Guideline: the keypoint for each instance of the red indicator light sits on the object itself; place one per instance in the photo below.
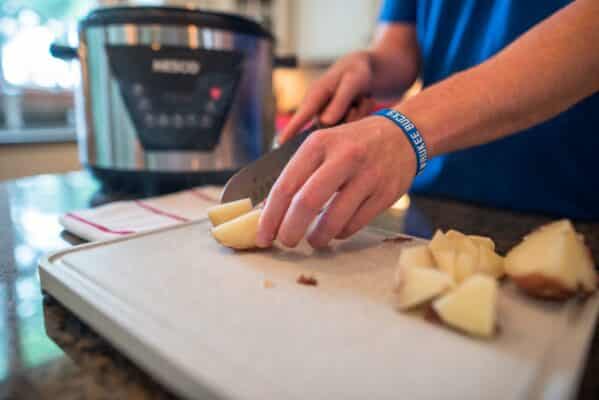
(215, 93)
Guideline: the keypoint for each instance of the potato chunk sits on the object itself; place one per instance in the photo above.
(225, 212)
(239, 233)
(552, 262)
(470, 307)
(419, 285)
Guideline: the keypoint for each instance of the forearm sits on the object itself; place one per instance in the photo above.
(394, 59)
(544, 72)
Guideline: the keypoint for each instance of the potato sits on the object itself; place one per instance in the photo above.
(552, 262)
(462, 242)
(462, 255)
(444, 252)
(225, 212)
(416, 256)
(419, 285)
(239, 233)
(465, 266)
(483, 241)
(489, 262)
(470, 307)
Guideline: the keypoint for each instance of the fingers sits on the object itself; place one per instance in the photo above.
(311, 106)
(369, 209)
(342, 209)
(303, 164)
(306, 184)
(363, 109)
(347, 90)
(311, 199)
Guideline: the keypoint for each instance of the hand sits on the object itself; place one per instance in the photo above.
(343, 90)
(364, 165)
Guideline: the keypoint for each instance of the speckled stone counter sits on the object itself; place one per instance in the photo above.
(47, 352)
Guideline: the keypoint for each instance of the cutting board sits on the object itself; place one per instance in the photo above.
(196, 316)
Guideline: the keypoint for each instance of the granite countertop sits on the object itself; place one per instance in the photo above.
(47, 352)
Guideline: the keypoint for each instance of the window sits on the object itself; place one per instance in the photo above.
(36, 90)
(36, 100)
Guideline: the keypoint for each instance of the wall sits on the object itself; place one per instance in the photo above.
(33, 159)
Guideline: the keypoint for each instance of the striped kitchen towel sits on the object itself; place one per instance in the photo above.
(135, 216)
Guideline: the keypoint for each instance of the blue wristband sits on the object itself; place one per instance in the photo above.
(411, 132)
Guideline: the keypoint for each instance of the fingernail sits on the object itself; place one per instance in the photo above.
(262, 240)
(318, 240)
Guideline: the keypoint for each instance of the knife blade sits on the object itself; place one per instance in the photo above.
(256, 179)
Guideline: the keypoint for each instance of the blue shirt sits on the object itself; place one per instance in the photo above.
(550, 168)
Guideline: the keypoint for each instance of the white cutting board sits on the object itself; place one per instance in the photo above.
(196, 317)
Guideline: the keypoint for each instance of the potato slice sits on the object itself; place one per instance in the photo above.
(471, 307)
(467, 257)
(489, 262)
(239, 233)
(552, 262)
(225, 212)
(419, 285)
(416, 256)
(444, 252)
(465, 266)
(463, 243)
(483, 241)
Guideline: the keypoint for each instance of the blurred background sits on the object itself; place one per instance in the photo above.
(37, 129)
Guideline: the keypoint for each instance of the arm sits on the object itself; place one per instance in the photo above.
(389, 66)
(394, 58)
(545, 71)
(368, 164)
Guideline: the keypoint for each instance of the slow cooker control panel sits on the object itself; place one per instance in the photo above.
(178, 98)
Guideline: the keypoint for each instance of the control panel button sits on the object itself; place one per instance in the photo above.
(206, 121)
(216, 93)
(149, 120)
(163, 120)
(178, 121)
(138, 89)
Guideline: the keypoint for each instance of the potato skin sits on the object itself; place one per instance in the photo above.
(543, 287)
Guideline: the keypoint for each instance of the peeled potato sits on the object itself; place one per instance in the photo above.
(470, 307)
(239, 233)
(489, 262)
(225, 212)
(462, 255)
(462, 242)
(552, 262)
(483, 241)
(420, 285)
(465, 266)
(416, 256)
(444, 252)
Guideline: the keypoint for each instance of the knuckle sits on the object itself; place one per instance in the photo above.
(317, 139)
(353, 152)
(284, 189)
(306, 202)
(375, 173)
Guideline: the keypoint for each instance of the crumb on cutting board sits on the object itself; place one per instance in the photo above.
(267, 284)
(307, 280)
(398, 239)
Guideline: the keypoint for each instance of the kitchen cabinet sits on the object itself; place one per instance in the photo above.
(321, 31)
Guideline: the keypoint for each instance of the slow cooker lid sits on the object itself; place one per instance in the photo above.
(173, 16)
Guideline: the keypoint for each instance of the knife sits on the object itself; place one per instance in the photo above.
(256, 179)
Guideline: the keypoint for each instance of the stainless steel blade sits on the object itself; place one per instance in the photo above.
(256, 179)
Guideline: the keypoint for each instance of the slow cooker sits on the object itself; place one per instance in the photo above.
(171, 97)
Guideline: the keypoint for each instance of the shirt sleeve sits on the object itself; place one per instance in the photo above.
(398, 11)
